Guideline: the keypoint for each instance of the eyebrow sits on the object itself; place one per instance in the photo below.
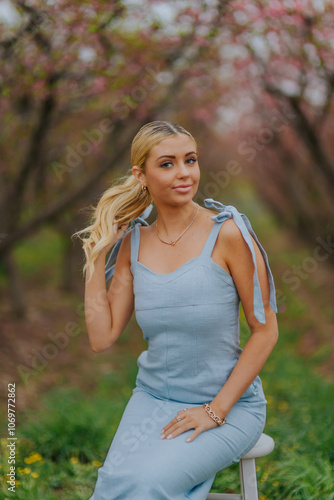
(171, 156)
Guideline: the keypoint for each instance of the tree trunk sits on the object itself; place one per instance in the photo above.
(16, 292)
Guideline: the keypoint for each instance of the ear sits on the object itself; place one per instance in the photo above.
(138, 174)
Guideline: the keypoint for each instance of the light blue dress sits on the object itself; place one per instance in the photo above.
(190, 318)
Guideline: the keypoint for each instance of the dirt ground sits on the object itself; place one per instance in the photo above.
(50, 347)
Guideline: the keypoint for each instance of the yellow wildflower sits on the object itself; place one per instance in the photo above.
(26, 470)
(283, 406)
(270, 400)
(34, 457)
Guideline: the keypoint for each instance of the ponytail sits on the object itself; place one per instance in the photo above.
(123, 202)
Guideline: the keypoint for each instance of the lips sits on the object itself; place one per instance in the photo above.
(183, 188)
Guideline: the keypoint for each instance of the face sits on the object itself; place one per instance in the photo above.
(171, 170)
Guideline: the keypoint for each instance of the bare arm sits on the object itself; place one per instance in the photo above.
(263, 336)
(108, 312)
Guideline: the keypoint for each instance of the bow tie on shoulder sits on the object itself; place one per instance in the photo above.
(139, 221)
(230, 212)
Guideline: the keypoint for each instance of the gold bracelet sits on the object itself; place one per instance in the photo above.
(212, 414)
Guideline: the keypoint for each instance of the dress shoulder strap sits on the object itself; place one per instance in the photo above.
(134, 243)
(210, 242)
(139, 221)
(228, 212)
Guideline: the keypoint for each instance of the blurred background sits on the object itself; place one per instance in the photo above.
(253, 82)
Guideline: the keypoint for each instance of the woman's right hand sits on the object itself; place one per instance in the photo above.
(118, 233)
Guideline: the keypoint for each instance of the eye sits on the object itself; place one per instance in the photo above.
(165, 164)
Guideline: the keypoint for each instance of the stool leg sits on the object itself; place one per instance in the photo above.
(248, 479)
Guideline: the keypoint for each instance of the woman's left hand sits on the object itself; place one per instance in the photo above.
(192, 418)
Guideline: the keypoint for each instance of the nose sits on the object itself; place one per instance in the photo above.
(182, 170)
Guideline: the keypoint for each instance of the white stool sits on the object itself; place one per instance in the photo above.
(264, 446)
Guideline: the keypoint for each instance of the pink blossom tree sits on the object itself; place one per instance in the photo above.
(78, 79)
(284, 69)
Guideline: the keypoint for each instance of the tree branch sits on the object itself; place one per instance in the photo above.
(57, 208)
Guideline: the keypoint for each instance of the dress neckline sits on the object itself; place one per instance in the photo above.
(202, 254)
(171, 272)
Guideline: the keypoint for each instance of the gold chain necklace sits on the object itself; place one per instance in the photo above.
(173, 242)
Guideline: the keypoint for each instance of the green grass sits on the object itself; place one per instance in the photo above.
(73, 431)
(60, 446)
(37, 256)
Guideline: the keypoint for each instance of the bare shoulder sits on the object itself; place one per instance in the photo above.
(232, 244)
(145, 229)
(230, 232)
(230, 241)
(124, 252)
(127, 239)
(229, 229)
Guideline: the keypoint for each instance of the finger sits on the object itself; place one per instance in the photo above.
(170, 429)
(194, 435)
(176, 430)
(125, 226)
(170, 425)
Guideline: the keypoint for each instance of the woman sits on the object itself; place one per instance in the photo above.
(198, 403)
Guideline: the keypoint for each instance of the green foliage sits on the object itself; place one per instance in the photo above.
(40, 254)
(61, 445)
(69, 424)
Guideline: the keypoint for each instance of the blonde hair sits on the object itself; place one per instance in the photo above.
(125, 200)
